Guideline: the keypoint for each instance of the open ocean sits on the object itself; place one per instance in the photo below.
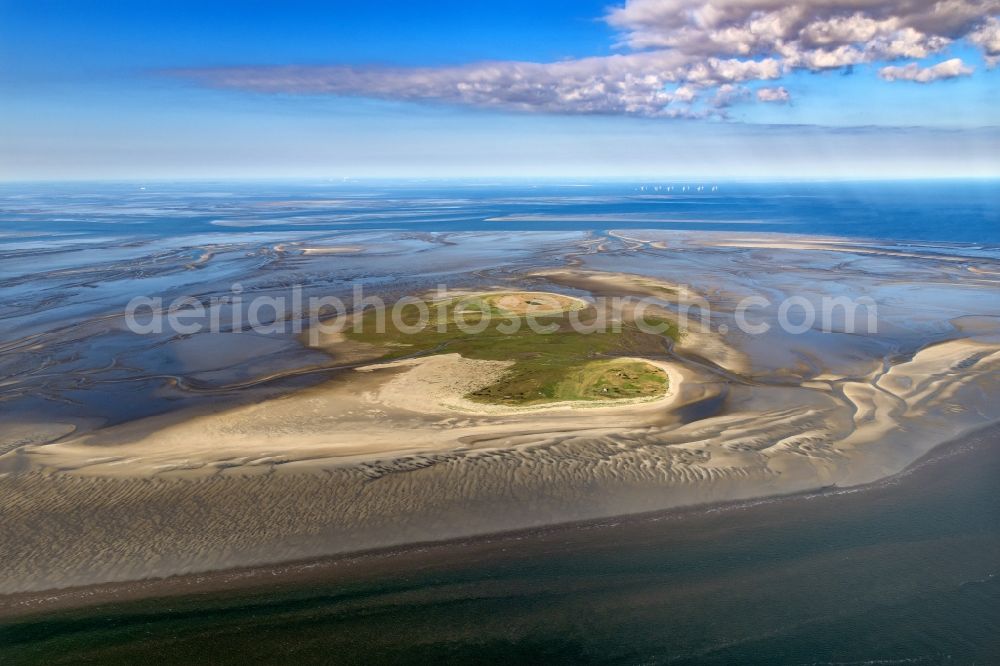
(934, 211)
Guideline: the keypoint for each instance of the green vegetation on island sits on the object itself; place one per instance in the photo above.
(559, 348)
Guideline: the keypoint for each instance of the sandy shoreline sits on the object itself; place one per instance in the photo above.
(343, 569)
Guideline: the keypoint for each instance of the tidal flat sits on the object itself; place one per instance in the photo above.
(902, 570)
(130, 456)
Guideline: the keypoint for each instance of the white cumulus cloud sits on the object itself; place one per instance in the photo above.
(987, 37)
(748, 27)
(779, 95)
(949, 69)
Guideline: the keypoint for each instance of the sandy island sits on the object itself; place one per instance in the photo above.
(394, 451)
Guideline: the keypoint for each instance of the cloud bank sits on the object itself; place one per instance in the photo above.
(688, 58)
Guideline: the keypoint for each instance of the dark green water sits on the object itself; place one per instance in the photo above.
(900, 572)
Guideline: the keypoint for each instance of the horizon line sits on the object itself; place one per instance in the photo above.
(347, 180)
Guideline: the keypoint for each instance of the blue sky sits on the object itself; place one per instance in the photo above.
(201, 90)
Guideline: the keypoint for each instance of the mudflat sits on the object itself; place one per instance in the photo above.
(364, 441)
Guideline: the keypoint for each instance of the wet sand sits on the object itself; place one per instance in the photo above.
(903, 570)
(367, 460)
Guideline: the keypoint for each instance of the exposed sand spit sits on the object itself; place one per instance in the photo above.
(318, 250)
(344, 423)
(435, 383)
(344, 249)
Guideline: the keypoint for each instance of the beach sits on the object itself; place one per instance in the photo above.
(900, 570)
